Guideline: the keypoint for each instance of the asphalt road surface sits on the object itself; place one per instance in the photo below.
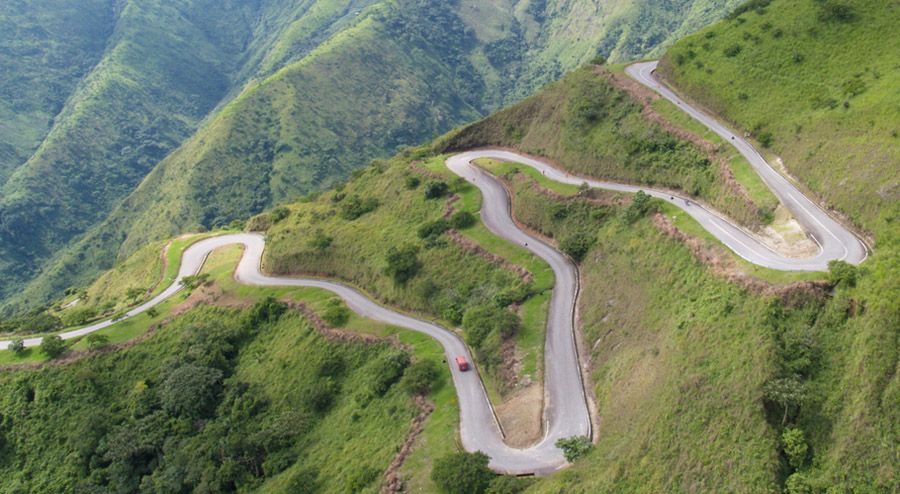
(565, 407)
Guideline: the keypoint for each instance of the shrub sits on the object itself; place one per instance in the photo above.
(387, 370)
(53, 346)
(354, 207)
(638, 208)
(76, 317)
(152, 312)
(759, 6)
(577, 245)
(462, 473)
(266, 310)
(134, 293)
(574, 447)
(836, 11)
(433, 229)
(320, 242)
(785, 393)
(435, 189)
(17, 346)
(412, 182)
(306, 481)
(194, 281)
(191, 390)
(402, 263)
(336, 314)
(319, 395)
(795, 448)
(462, 220)
(97, 341)
(420, 378)
(481, 321)
(842, 273)
(279, 214)
(732, 51)
(797, 484)
(765, 139)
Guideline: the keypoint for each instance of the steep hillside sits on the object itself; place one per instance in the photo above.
(423, 67)
(816, 83)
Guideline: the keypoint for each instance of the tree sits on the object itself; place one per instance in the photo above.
(402, 263)
(433, 229)
(483, 320)
(420, 377)
(354, 207)
(53, 346)
(191, 390)
(797, 484)
(336, 313)
(574, 447)
(152, 312)
(462, 220)
(266, 310)
(638, 208)
(842, 273)
(787, 393)
(795, 447)
(97, 341)
(577, 245)
(462, 473)
(387, 370)
(17, 346)
(412, 182)
(435, 189)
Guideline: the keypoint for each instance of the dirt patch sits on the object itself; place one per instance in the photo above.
(520, 416)
(392, 481)
(473, 247)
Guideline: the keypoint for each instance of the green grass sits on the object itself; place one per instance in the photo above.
(786, 79)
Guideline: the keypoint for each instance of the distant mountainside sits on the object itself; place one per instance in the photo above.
(291, 96)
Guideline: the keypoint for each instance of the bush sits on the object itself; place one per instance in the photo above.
(266, 310)
(435, 189)
(306, 481)
(795, 447)
(577, 245)
(412, 182)
(279, 214)
(320, 242)
(387, 370)
(462, 473)
(638, 208)
(402, 263)
(756, 5)
(765, 139)
(420, 377)
(97, 341)
(354, 207)
(574, 447)
(17, 347)
(194, 281)
(732, 51)
(77, 317)
(462, 220)
(835, 11)
(433, 229)
(336, 314)
(797, 484)
(191, 391)
(53, 346)
(842, 273)
(482, 321)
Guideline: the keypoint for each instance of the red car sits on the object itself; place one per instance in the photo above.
(462, 364)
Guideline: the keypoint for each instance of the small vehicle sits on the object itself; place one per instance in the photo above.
(462, 364)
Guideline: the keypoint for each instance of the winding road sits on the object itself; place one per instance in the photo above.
(565, 411)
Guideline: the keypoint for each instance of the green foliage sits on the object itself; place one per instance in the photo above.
(320, 242)
(412, 181)
(278, 214)
(267, 310)
(462, 473)
(336, 314)
(152, 312)
(577, 244)
(194, 281)
(732, 51)
(17, 346)
(433, 229)
(795, 447)
(436, 189)
(507, 484)
(97, 341)
(574, 447)
(387, 370)
(797, 483)
(134, 293)
(53, 346)
(354, 207)
(836, 11)
(842, 274)
(402, 263)
(639, 207)
(759, 6)
(462, 220)
(787, 394)
(191, 390)
(78, 316)
(420, 378)
(481, 322)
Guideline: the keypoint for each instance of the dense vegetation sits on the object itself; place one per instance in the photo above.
(279, 84)
(195, 409)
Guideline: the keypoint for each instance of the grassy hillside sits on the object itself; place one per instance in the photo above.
(588, 124)
(331, 85)
(815, 83)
